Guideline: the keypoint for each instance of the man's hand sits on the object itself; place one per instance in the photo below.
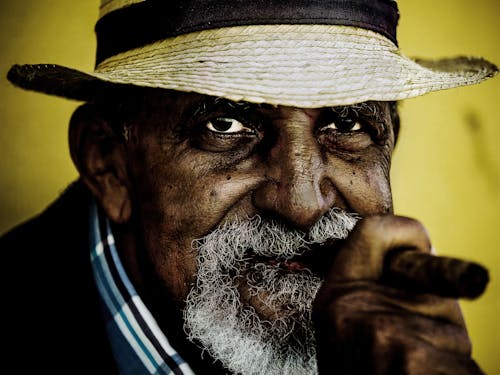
(365, 325)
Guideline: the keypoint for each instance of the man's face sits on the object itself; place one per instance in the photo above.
(198, 164)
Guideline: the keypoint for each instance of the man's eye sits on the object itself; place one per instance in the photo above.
(344, 125)
(226, 125)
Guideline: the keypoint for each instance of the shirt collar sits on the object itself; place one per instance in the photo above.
(138, 344)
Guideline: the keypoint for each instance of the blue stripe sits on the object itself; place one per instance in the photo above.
(119, 267)
(113, 300)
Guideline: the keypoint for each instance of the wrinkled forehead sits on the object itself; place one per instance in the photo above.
(149, 102)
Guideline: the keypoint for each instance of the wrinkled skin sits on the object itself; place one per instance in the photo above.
(182, 171)
(366, 327)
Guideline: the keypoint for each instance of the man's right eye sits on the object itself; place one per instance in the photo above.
(344, 125)
(226, 125)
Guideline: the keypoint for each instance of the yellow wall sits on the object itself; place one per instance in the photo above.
(34, 157)
(446, 168)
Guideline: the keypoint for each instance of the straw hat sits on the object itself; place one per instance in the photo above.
(303, 53)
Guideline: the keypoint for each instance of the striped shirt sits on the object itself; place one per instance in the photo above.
(138, 344)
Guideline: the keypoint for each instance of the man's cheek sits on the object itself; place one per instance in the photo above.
(367, 191)
(173, 260)
(212, 201)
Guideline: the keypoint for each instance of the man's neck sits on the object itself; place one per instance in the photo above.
(166, 311)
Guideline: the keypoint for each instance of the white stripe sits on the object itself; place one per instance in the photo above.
(184, 367)
(120, 322)
(142, 336)
(153, 326)
(99, 250)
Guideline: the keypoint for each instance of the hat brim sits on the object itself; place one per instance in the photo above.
(295, 65)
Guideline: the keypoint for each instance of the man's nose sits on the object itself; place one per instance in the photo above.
(297, 187)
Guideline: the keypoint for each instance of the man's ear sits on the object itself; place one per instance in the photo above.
(99, 155)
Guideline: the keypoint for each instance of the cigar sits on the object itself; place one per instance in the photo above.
(443, 276)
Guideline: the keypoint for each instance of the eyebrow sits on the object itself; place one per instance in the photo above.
(208, 104)
(372, 110)
(369, 109)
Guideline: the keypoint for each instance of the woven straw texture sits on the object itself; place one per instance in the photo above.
(108, 6)
(295, 65)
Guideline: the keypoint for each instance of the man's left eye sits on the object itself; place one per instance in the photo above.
(226, 125)
(344, 125)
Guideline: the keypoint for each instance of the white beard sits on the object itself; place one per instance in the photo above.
(232, 331)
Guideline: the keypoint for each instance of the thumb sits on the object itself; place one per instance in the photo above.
(361, 256)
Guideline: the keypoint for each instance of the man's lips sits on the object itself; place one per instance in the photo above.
(317, 259)
(289, 265)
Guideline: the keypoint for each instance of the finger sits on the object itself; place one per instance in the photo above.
(392, 351)
(369, 298)
(368, 335)
(361, 256)
(424, 359)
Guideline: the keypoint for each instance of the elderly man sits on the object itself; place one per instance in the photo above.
(234, 210)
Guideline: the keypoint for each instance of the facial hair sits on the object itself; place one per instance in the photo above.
(231, 330)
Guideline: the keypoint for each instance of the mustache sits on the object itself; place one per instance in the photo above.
(273, 238)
